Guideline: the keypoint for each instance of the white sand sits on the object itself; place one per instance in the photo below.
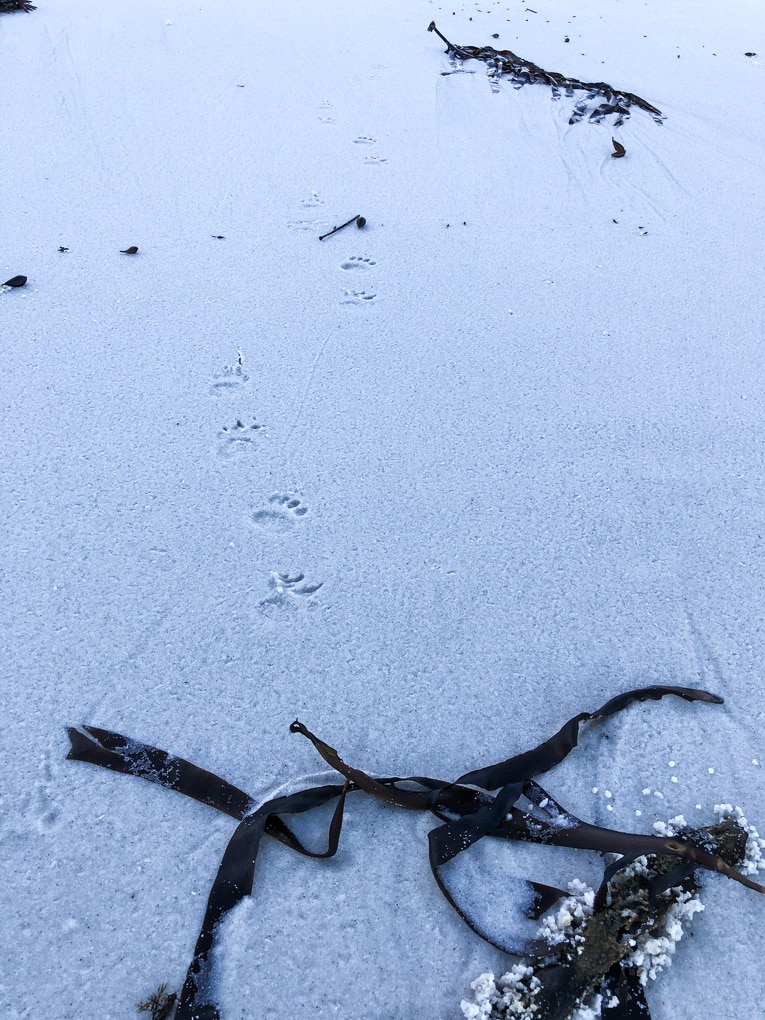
(527, 441)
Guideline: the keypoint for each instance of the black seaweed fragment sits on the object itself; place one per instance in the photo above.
(520, 810)
(525, 72)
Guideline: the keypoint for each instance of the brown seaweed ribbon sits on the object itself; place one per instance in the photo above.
(467, 809)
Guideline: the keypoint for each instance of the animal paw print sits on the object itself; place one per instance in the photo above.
(289, 591)
(356, 297)
(364, 140)
(358, 262)
(312, 202)
(231, 379)
(305, 225)
(282, 512)
(237, 438)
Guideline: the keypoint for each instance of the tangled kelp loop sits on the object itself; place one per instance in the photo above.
(505, 63)
(519, 810)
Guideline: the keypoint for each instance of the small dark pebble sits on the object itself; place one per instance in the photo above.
(132, 250)
(750, 54)
(219, 237)
(63, 249)
(567, 39)
(15, 281)
(360, 222)
(495, 35)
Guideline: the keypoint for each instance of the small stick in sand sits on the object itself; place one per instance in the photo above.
(358, 220)
(132, 250)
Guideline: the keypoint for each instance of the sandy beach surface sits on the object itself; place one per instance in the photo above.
(432, 486)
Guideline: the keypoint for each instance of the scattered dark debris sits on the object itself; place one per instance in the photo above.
(357, 219)
(62, 249)
(525, 72)
(219, 237)
(749, 53)
(8, 6)
(468, 810)
(15, 281)
(132, 250)
(160, 1004)
(619, 149)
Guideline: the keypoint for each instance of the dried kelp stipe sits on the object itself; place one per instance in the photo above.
(468, 810)
(7, 6)
(505, 63)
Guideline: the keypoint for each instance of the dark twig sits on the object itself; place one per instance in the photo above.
(357, 219)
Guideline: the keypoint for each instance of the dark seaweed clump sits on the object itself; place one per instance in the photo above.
(499, 801)
(6, 6)
(506, 64)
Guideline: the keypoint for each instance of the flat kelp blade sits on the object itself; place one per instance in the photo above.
(456, 836)
(235, 877)
(132, 757)
(552, 752)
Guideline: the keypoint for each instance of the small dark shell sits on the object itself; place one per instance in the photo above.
(15, 281)
(360, 222)
(132, 250)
